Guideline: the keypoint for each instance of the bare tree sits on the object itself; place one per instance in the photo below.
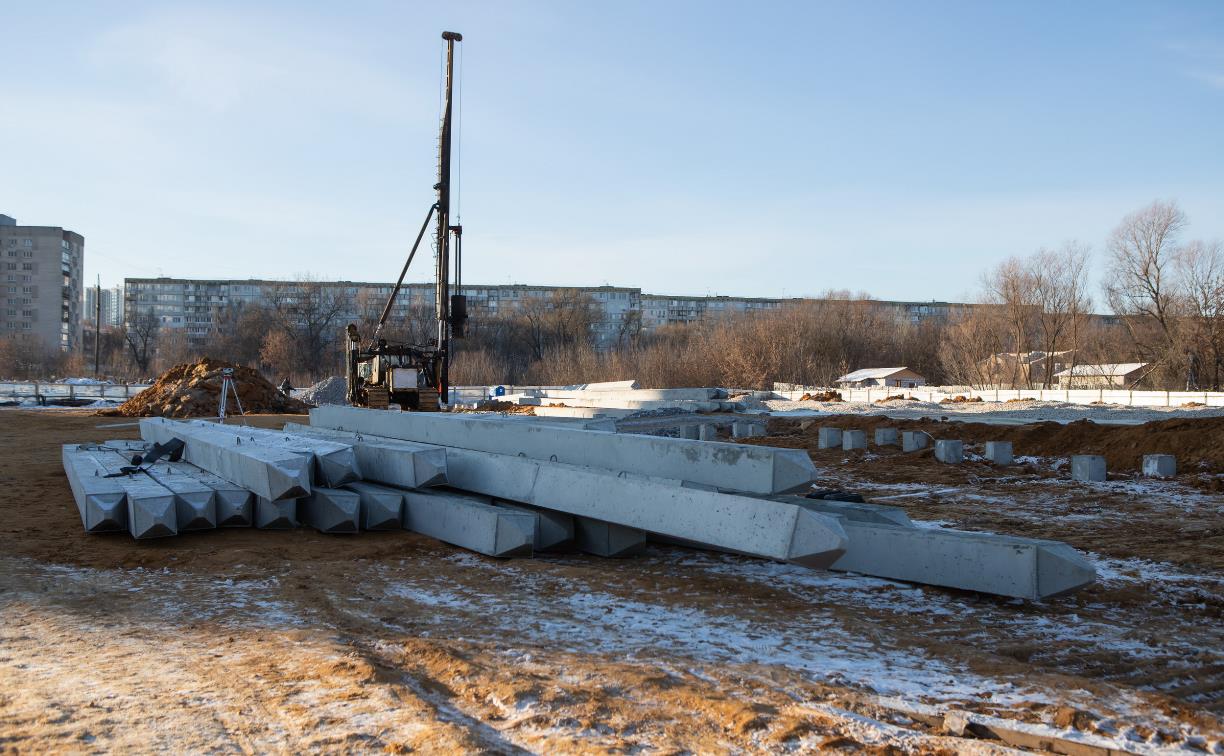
(1011, 286)
(1140, 286)
(140, 333)
(1200, 269)
(1059, 281)
(311, 314)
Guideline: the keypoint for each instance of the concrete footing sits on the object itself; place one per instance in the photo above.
(829, 438)
(690, 431)
(999, 452)
(853, 440)
(1159, 466)
(707, 432)
(913, 440)
(471, 522)
(949, 452)
(1089, 468)
(606, 539)
(753, 469)
(330, 510)
(886, 437)
(266, 471)
(276, 515)
(744, 429)
(381, 508)
(101, 502)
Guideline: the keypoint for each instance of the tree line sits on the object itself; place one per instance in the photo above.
(1032, 316)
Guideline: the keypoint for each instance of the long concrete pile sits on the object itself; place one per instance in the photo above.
(618, 399)
(712, 495)
(510, 486)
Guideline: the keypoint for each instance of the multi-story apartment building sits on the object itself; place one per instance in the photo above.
(192, 305)
(40, 283)
(112, 305)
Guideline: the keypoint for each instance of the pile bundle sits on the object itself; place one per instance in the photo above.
(514, 486)
(194, 390)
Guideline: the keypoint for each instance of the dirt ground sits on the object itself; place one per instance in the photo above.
(248, 640)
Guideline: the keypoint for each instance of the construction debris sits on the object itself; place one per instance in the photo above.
(194, 390)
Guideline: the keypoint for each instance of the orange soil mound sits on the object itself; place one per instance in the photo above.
(194, 390)
(823, 396)
(961, 399)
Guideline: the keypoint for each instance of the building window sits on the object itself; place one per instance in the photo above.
(27, 266)
(27, 242)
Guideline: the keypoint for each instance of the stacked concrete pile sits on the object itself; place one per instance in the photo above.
(617, 399)
(712, 495)
(514, 486)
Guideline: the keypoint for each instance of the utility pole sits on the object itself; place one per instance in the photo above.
(97, 321)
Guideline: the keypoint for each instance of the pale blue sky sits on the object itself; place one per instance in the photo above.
(761, 149)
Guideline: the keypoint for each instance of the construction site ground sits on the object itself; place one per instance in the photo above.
(250, 640)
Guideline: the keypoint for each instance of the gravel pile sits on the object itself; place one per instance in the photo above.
(327, 391)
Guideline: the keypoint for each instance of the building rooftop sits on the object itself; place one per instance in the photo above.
(867, 373)
(1107, 370)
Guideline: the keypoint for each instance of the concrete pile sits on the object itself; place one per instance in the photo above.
(512, 486)
(617, 399)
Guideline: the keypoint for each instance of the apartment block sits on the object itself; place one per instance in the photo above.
(112, 305)
(40, 276)
(192, 305)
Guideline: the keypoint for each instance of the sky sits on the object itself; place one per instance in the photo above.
(762, 149)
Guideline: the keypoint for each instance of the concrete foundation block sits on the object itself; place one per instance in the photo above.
(913, 440)
(999, 452)
(1159, 466)
(949, 452)
(853, 440)
(266, 471)
(829, 438)
(100, 501)
(471, 522)
(886, 437)
(1089, 468)
(606, 539)
(554, 531)
(382, 508)
(330, 510)
(707, 432)
(744, 429)
(690, 431)
(749, 468)
(276, 515)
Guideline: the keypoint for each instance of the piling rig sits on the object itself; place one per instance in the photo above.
(415, 376)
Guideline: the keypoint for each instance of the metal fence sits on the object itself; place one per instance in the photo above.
(67, 393)
(1070, 396)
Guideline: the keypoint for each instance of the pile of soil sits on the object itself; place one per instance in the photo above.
(823, 396)
(897, 398)
(1198, 443)
(509, 408)
(193, 389)
(958, 399)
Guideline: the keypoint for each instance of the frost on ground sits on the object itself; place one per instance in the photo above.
(252, 640)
